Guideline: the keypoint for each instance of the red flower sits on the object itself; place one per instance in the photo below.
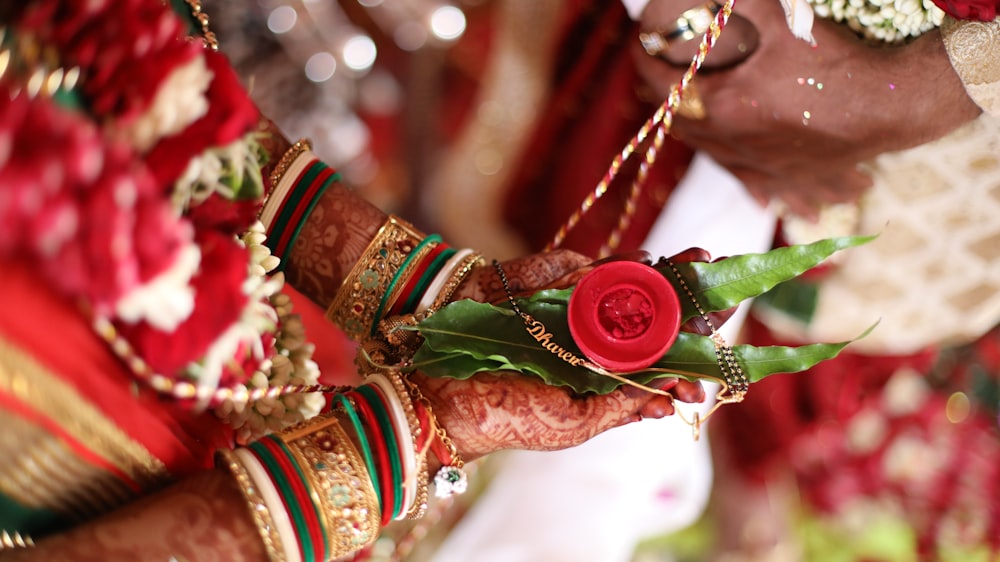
(231, 115)
(220, 213)
(124, 48)
(70, 203)
(977, 10)
(219, 302)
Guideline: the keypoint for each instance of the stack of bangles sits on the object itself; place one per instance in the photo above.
(324, 488)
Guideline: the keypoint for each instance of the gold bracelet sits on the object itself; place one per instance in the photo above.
(266, 528)
(339, 481)
(355, 305)
(451, 478)
(286, 160)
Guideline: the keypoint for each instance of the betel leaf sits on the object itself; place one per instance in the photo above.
(723, 284)
(466, 337)
(448, 352)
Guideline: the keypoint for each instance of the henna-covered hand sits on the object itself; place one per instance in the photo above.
(525, 275)
(495, 411)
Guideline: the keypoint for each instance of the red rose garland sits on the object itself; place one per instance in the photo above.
(105, 197)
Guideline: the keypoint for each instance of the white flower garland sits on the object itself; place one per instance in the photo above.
(291, 363)
(889, 21)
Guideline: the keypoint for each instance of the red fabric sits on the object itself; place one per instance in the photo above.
(593, 113)
(761, 430)
(976, 10)
(334, 351)
(183, 442)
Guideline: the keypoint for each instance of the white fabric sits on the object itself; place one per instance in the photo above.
(974, 50)
(596, 501)
(933, 275)
(635, 7)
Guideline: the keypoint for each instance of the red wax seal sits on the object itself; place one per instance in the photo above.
(624, 315)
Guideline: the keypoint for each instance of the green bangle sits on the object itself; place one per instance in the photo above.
(366, 449)
(306, 483)
(335, 177)
(290, 204)
(389, 431)
(425, 280)
(294, 509)
(395, 279)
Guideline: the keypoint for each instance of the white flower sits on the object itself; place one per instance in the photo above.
(232, 171)
(911, 460)
(291, 362)
(889, 21)
(167, 299)
(179, 101)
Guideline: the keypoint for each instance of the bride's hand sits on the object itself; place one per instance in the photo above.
(495, 411)
(506, 410)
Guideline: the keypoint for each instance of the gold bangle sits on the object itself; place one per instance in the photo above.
(255, 503)
(457, 276)
(356, 302)
(339, 481)
(286, 160)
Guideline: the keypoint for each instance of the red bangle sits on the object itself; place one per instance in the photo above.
(378, 444)
(295, 481)
(426, 433)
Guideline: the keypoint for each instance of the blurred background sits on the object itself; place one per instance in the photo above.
(431, 110)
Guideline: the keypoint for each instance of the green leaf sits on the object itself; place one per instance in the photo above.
(725, 283)
(487, 330)
(467, 337)
(495, 338)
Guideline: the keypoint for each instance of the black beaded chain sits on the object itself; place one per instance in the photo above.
(730, 368)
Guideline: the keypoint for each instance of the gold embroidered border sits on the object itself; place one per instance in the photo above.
(39, 469)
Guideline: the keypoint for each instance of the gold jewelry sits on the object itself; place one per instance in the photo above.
(691, 105)
(450, 479)
(457, 276)
(339, 481)
(286, 160)
(355, 305)
(207, 36)
(420, 503)
(15, 539)
(266, 528)
(691, 24)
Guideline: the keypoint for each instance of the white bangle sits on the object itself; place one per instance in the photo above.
(435, 286)
(276, 200)
(407, 447)
(275, 506)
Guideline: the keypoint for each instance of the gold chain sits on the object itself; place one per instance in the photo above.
(207, 36)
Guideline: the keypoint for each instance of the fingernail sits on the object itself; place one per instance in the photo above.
(633, 391)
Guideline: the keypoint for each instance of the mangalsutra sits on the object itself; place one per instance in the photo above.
(733, 375)
(538, 331)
